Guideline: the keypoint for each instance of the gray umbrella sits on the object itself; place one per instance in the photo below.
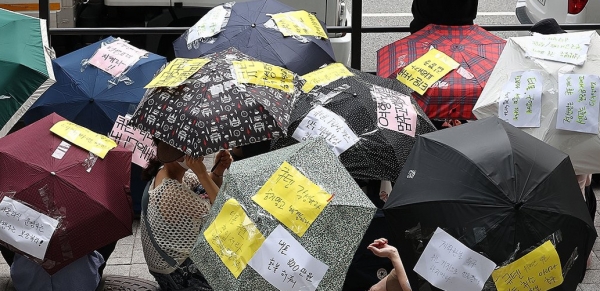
(332, 238)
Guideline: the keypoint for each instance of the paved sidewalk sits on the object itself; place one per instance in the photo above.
(128, 260)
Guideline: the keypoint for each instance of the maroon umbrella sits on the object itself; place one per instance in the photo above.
(475, 49)
(93, 207)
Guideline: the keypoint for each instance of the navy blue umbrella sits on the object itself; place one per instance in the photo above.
(93, 98)
(89, 96)
(246, 31)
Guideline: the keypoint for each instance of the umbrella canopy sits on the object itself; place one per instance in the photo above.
(89, 96)
(24, 63)
(93, 206)
(333, 236)
(454, 96)
(251, 29)
(214, 110)
(498, 190)
(582, 148)
(375, 152)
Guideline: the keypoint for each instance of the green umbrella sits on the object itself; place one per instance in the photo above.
(25, 65)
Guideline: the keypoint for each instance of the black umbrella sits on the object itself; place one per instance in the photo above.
(251, 30)
(380, 152)
(213, 109)
(498, 190)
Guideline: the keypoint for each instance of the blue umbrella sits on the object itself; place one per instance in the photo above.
(246, 31)
(87, 95)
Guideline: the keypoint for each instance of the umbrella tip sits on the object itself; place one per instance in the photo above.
(53, 173)
(253, 25)
(92, 100)
(518, 205)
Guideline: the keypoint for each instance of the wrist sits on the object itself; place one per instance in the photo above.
(219, 176)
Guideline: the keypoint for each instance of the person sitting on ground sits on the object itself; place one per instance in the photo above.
(442, 12)
(396, 280)
(175, 205)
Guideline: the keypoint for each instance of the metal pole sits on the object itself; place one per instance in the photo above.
(45, 14)
(355, 48)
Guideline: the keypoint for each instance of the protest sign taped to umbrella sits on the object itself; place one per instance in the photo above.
(97, 144)
(286, 264)
(176, 72)
(394, 111)
(263, 74)
(421, 74)
(116, 57)
(299, 23)
(321, 121)
(132, 138)
(209, 25)
(25, 228)
(234, 237)
(578, 106)
(448, 264)
(538, 270)
(569, 48)
(292, 198)
(520, 102)
(325, 76)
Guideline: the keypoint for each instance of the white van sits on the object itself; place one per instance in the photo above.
(165, 13)
(564, 11)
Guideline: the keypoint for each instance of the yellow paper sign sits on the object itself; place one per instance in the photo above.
(325, 76)
(292, 198)
(234, 237)
(263, 74)
(421, 74)
(97, 144)
(299, 23)
(176, 72)
(538, 270)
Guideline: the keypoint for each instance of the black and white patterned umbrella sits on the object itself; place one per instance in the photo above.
(380, 131)
(214, 110)
(332, 238)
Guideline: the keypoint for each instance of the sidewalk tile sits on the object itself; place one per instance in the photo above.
(119, 261)
(140, 271)
(122, 270)
(592, 277)
(122, 251)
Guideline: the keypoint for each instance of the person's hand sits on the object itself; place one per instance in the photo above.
(223, 160)
(196, 164)
(380, 248)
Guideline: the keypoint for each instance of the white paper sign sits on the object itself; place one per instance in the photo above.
(61, 150)
(322, 122)
(284, 263)
(520, 102)
(449, 265)
(209, 25)
(394, 111)
(569, 48)
(578, 107)
(25, 228)
(116, 57)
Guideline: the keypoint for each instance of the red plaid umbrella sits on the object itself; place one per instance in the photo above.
(454, 96)
(94, 208)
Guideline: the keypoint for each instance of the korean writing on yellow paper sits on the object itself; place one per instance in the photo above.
(325, 76)
(234, 237)
(299, 23)
(421, 74)
(176, 72)
(97, 144)
(538, 270)
(263, 74)
(292, 198)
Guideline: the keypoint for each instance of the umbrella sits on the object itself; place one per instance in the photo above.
(213, 109)
(498, 190)
(51, 175)
(454, 96)
(375, 152)
(333, 236)
(24, 63)
(582, 148)
(250, 29)
(88, 95)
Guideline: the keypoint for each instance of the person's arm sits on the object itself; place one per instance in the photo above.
(198, 167)
(380, 248)
(222, 161)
